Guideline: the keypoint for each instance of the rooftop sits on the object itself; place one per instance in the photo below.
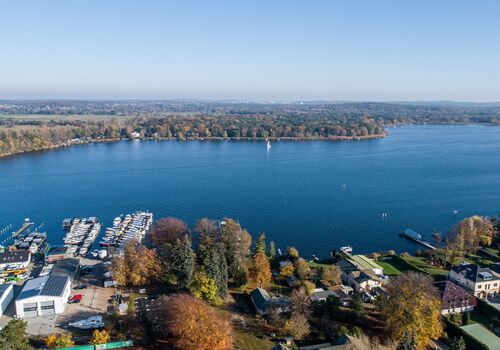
(47, 285)
(365, 263)
(14, 257)
(475, 273)
(453, 296)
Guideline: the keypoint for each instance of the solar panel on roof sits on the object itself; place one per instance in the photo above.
(54, 286)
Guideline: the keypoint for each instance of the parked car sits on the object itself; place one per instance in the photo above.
(75, 299)
(80, 286)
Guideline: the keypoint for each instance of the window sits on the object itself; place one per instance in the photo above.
(33, 308)
(479, 286)
(47, 307)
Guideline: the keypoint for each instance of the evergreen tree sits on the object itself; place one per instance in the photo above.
(260, 244)
(13, 336)
(271, 252)
(408, 342)
(215, 266)
(458, 344)
(182, 262)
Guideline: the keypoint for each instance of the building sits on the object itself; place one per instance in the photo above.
(56, 253)
(15, 260)
(319, 294)
(482, 282)
(6, 296)
(43, 296)
(263, 302)
(454, 299)
(66, 267)
(361, 273)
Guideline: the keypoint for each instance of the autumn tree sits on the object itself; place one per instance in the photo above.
(331, 276)
(470, 234)
(236, 243)
(182, 262)
(100, 337)
(301, 302)
(302, 269)
(215, 267)
(138, 266)
(287, 270)
(191, 324)
(260, 270)
(165, 233)
(292, 252)
(13, 336)
(298, 326)
(62, 340)
(207, 234)
(412, 306)
(204, 287)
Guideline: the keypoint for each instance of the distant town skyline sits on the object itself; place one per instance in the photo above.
(251, 50)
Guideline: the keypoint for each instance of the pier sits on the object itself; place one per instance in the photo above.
(416, 237)
(27, 224)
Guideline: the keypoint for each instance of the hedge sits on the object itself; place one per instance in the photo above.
(486, 309)
(454, 331)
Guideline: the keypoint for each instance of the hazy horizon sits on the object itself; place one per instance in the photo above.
(384, 51)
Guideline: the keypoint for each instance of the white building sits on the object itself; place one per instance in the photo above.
(43, 296)
(482, 282)
(15, 260)
(6, 296)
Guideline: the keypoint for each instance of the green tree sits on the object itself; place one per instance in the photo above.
(260, 244)
(207, 235)
(13, 336)
(408, 342)
(204, 287)
(271, 250)
(182, 262)
(458, 344)
(215, 267)
(236, 243)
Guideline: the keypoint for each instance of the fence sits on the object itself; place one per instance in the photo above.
(112, 345)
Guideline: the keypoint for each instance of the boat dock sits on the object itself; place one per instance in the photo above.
(416, 237)
(131, 227)
(81, 235)
(27, 224)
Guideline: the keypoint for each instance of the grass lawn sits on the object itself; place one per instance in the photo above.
(249, 341)
(391, 267)
(317, 265)
(422, 264)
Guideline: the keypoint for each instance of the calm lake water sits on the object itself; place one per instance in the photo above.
(313, 195)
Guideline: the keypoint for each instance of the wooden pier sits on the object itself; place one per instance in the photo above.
(23, 228)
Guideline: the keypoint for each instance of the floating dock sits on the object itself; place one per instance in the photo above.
(27, 224)
(416, 237)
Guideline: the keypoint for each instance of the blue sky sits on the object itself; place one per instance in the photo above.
(294, 50)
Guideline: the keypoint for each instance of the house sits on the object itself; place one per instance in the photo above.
(454, 299)
(361, 273)
(43, 296)
(319, 294)
(15, 260)
(482, 282)
(263, 302)
(57, 253)
(6, 296)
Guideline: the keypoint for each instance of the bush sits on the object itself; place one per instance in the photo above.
(404, 255)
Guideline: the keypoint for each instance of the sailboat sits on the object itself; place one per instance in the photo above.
(268, 145)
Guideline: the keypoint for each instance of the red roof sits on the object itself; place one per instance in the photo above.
(453, 296)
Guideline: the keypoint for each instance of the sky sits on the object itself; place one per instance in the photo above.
(257, 50)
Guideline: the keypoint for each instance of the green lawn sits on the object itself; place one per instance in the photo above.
(391, 267)
(249, 341)
(423, 265)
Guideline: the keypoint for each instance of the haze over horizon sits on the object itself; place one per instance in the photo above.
(384, 51)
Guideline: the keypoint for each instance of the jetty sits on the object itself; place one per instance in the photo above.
(416, 237)
(27, 224)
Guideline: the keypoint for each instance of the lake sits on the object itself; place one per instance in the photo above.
(314, 195)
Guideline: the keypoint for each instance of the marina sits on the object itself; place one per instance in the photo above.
(81, 235)
(127, 228)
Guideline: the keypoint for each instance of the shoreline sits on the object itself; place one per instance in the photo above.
(211, 139)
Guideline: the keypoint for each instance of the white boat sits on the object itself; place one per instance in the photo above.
(93, 322)
(268, 145)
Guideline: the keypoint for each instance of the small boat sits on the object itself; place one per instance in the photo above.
(455, 212)
(268, 145)
(93, 322)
